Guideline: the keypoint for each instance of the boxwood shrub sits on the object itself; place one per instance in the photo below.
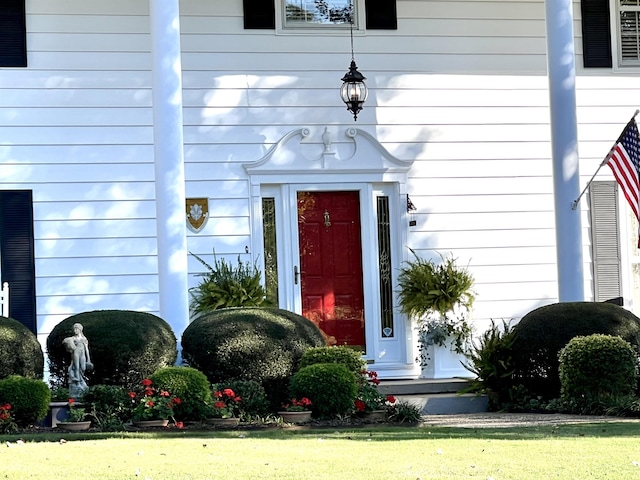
(125, 346)
(20, 350)
(191, 386)
(350, 358)
(596, 371)
(29, 398)
(543, 332)
(331, 387)
(250, 343)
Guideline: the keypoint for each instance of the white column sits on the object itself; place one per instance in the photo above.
(564, 141)
(169, 164)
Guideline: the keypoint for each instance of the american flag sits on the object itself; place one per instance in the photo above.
(624, 160)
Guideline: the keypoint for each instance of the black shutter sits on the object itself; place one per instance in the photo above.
(596, 33)
(17, 262)
(13, 36)
(381, 14)
(259, 14)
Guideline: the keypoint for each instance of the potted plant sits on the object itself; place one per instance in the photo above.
(370, 403)
(225, 408)
(296, 411)
(76, 420)
(439, 296)
(153, 407)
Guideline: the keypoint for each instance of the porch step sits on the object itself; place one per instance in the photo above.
(436, 397)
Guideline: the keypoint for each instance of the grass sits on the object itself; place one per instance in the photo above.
(586, 451)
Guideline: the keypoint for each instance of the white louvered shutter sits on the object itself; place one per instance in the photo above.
(605, 238)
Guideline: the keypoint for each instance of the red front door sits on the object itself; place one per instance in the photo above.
(331, 264)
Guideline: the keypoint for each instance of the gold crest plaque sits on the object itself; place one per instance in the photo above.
(197, 213)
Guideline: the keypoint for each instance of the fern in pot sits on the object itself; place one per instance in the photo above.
(439, 296)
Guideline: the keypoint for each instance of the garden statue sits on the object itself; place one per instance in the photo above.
(78, 347)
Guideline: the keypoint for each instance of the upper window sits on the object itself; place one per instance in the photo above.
(301, 15)
(13, 38)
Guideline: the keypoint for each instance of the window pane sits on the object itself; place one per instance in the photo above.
(319, 12)
(629, 38)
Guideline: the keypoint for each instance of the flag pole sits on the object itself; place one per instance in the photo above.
(604, 162)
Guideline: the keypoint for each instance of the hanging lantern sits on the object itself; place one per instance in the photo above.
(354, 92)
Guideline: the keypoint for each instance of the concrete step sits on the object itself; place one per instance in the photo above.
(447, 403)
(436, 396)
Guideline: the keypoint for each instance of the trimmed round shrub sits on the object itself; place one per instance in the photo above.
(29, 398)
(125, 346)
(543, 332)
(331, 387)
(191, 386)
(110, 405)
(254, 399)
(260, 344)
(344, 355)
(597, 369)
(20, 351)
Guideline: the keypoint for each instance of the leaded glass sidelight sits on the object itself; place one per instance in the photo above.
(270, 249)
(384, 260)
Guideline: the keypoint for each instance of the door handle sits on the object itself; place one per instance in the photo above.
(296, 274)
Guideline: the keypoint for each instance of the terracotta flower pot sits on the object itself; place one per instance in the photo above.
(296, 417)
(223, 422)
(74, 426)
(151, 423)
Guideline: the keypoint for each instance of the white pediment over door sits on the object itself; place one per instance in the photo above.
(323, 153)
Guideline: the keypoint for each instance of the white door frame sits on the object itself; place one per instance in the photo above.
(357, 163)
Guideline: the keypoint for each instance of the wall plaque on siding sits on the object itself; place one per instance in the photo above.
(197, 213)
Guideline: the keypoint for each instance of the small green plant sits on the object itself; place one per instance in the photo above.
(76, 414)
(438, 297)
(368, 397)
(404, 412)
(152, 403)
(490, 360)
(595, 371)
(225, 285)
(330, 386)
(29, 398)
(109, 405)
(226, 404)
(295, 405)
(7, 424)
(255, 403)
(343, 354)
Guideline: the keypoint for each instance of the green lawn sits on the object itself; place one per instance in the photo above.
(584, 451)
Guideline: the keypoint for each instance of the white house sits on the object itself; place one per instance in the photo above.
(112, 114)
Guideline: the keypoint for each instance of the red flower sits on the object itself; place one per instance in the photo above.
(177, 401)
(219, 404)
(151, 404)
(391, 399)
(237, 399)
(6, 406)
(218, 394)
(179, 425)
(132, 394)
(360, 406)
(4, 416)
(164, 393)
(146, 382)
(71, 401)
(228, 392)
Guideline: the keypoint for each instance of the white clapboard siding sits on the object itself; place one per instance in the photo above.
(460, 89)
